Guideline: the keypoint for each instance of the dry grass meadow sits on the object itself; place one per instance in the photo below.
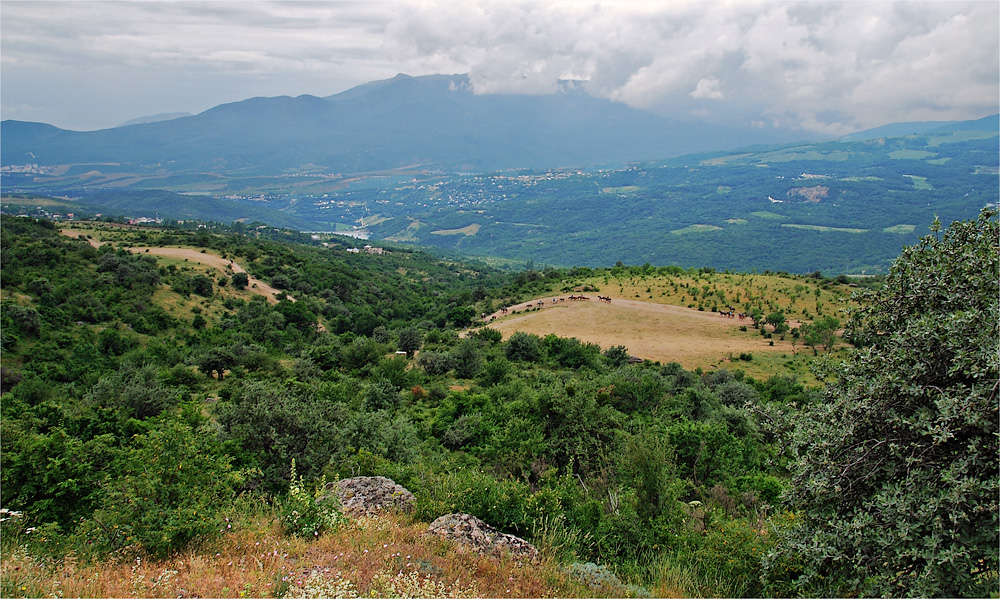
(383, 556)
(657, 317)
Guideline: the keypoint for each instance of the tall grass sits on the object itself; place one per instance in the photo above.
(386, 556)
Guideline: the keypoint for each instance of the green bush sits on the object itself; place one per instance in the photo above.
(167, 489)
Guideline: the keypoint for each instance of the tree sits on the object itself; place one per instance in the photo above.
(216, 359)
(616, 355)
(821, 332)
(201, 285)
(776, 319)
(410, 340)
(461, 315)
(896, 475)
(467, 359)
(523, 347)
(241, 280)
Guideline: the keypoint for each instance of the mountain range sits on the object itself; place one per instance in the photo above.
(430, 122)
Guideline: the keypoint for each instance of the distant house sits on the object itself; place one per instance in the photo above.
(373, 250)
(354, 250)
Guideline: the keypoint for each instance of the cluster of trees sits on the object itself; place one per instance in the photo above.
(131, 430)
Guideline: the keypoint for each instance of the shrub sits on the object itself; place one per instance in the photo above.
(306, 513)
(167, 490)
(896, 470)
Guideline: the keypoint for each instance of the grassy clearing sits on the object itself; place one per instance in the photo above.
(407, 234)
(674, 318)
(468, 231)
(789, 156)
(622, 189)
(919, 182)
(937, 139)
(723, 159)
(768, 215)
(695, 229)
(822, 228)
(900, 229)
(39, 202)
(911, 154)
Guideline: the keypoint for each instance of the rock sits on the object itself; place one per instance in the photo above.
(481, 537)
(365, 495)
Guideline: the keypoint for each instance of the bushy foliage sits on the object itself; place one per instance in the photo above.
(523, 347)
(897, 467)
(117, 414)
(167, 490)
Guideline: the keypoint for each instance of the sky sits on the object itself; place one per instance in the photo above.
(825, 67)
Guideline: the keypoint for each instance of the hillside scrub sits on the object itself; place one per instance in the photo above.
(670, 479)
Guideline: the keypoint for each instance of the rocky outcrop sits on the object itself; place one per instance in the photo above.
(365, 495)
(482, 538)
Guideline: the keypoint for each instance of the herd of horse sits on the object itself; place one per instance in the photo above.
(541, 304)
(730, 313)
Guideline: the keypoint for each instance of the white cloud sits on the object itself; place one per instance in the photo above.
(821, 66)
(812, 65)
(707, 88)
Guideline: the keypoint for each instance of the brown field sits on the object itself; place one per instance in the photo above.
(650, 331)
(656, 317)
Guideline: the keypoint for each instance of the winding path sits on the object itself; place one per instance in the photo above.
(254, 285)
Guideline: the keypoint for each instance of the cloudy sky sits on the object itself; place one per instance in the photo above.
(827, 67)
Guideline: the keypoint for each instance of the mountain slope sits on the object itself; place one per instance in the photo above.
(434, 121)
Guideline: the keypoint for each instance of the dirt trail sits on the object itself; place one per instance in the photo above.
(254, 285)
(652, 331)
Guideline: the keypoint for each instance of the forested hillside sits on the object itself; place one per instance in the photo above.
(155, 407)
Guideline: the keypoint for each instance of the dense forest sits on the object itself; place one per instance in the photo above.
(148, 406)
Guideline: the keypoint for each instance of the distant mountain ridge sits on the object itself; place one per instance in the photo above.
(155, 118)
(988, 123)
(430, 122)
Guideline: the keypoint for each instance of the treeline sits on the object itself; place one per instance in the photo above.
(128, 430)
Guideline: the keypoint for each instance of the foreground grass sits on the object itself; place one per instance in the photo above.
(384, 556)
